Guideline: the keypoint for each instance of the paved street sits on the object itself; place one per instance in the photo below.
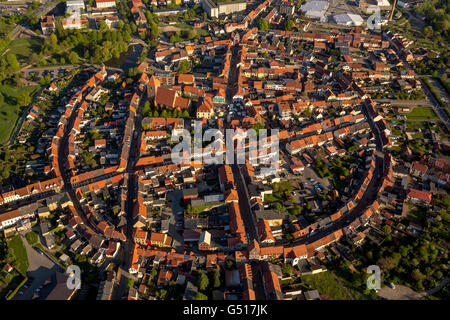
(174, 198)
(441, 90)
(436, 106)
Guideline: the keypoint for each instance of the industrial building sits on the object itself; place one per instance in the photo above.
(315, 10)
(348, 19)
(214, 10)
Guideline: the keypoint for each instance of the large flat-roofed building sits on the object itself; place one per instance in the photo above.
(105, 3)
(315, 10)
(75, 4)
(348, 19)
(214, 10)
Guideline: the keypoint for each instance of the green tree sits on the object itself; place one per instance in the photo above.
(289, 25)
(263, 25)
(417, 275)
(23, 99)
(203, 281)
(12, 62)
(438, 274)
(387, 229)
(184, 67)
(185, 114)
(307, 113)
(154, 29)
(146, 109)
(217, 278)
(73, 57)
(386, 263)
(53, 41)
(200, 296)
(162, 293)
(102, 26)
(287, 270)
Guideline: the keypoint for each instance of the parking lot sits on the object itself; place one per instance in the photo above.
(39, 270)
(341, 7)
(54, 72)
(309, 178)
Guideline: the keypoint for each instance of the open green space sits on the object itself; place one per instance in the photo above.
(421, 113)
(326, 283)
(32, 237)
(414, 125)
(23, 48)
(10, 110)
(20, 254)
(200, 209)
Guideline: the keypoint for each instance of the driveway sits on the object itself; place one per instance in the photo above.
(40, 269)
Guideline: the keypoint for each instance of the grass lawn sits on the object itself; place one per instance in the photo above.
(421, 113)
(9, 110)
(20, 253)
(414, 125)
(23, 48)
(200, 209)
(417, 135)
(32, 237)
(326, 283)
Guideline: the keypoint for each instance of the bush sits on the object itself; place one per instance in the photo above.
(130, 283)
(200, 296)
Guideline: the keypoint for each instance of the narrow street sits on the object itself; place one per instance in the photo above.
(64, 174)
(127, 247)
(244, 205)
(435, 104)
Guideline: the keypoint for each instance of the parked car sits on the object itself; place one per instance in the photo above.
(391, 285)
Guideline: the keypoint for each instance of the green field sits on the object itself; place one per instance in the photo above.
(326, 283)
(421, 113)
(23, 48)
(9, 110)
(20, 253)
